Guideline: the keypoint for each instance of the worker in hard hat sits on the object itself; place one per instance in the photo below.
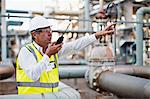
(37, 62)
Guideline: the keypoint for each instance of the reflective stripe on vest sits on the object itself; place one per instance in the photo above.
(37, 84)
(32, 51)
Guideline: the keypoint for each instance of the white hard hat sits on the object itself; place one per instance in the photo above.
(38, 22)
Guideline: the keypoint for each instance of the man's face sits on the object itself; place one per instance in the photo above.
(43, 36)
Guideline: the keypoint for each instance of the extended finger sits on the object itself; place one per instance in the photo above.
(108, 32)
(111, 26)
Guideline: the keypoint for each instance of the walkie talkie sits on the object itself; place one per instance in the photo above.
(60, 39)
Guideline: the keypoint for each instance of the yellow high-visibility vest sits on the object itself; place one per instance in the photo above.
(48, 81)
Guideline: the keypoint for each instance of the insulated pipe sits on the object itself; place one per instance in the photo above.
(133, 70)
(139, 34)
(72, 71)
(76, 71)
(118, 80)
(124, 85)
(6, 72)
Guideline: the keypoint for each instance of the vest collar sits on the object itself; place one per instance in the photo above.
(40, 49)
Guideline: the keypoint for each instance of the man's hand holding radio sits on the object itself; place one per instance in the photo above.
(53, 48)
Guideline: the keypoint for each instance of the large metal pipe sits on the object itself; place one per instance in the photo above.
(6, 70)
(120, 80)
(72, 71)
(124, 85)
(139, 34)
(140, 71)
(76, 71)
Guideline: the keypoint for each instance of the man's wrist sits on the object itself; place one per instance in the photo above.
(47, 55)
(98, 35)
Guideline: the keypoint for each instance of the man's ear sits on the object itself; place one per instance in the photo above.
(33, 35)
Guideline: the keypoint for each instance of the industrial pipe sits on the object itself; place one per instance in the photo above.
(139, 34)
(6, 71)
(124, 85)
(132, 70)
(75, 71)
(118, 80)
(72, 71)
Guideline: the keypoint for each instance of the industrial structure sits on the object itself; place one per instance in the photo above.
(116, 66)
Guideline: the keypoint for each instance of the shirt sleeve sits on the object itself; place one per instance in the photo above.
(28, 63)
(76, 45)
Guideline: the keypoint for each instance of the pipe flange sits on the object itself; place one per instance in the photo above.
(97, 74)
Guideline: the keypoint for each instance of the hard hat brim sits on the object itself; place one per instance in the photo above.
(40, 28)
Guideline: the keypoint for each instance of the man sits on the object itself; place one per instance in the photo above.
(37, 63)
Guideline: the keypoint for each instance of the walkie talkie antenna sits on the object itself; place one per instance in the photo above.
(67, 25)
(60, 39)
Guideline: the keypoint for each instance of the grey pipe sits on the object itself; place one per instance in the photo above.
(79, 71)
(123, 81)
(124, 85)
(72, 71)
(140, 71)
(6, 70)
(139, 34)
